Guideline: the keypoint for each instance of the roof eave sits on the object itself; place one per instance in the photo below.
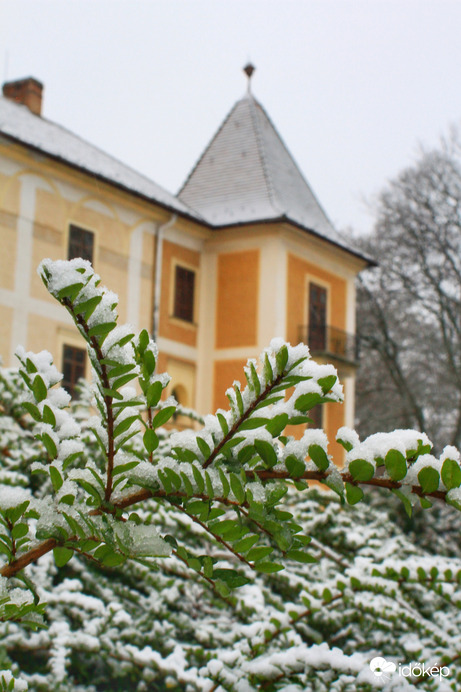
(285, 219)
(193, 216)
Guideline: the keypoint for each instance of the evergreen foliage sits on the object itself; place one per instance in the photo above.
(140, 559)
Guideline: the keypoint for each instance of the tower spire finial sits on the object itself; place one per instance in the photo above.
(249, 69)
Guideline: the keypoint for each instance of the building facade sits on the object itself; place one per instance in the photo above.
(242, 254)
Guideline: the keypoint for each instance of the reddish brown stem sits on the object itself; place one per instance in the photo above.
(141, 495)
(31, 556)
(243, 418)
(107, 399)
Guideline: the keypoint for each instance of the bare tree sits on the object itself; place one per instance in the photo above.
(409, 317)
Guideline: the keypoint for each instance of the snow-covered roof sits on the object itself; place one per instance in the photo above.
(247, 174)
(18, 123)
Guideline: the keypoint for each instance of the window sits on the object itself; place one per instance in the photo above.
(81, 243)
(184, 285)
(316, 413)
(317, 317)
(73, 367)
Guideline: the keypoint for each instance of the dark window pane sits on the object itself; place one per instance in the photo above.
(317, 317)
(316, 413)
(73, 367)
(81, 244)
(184, 294)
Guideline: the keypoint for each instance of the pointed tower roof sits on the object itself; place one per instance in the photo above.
(246, 174)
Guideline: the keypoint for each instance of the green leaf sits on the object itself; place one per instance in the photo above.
(276, 493)
(154, 393)
(33, 410)
(14, 513)
(70, 291)
(429, 479)
(253, 423)
(237, 488)
(209, 485)
(245, 454)
(102, 329)
(208, 567)
(125, 424)
(88, 306)
(361, 470)
(56, 478)
(49, 445)
(295, 467)
(150, 440)
(166, 482)
(267, 369)
(199, 508)
(326, 383)
(62, 556)
(396, 465)
(121, 381)
(89, 488)
(187, 484)
(185, 455)
(255, 380)
(300, 420)
(244, 544)
(266, 452)
(405, 500)
(224, 482)
(347, 445)
(203, 447)
(259, 553)
(223, 423)
(277, 424)
(425, 503)
(143, 340)
(19, 531)
(68, 499)
(108, 557)
(301, 556)
(319, 457)
(353, 494)
(239, 400)
(421, 574)
(30, 366)
(198, 479)
(113, 394)
(451, 474)
(307, 401)
(122, 468)
(163, 416)
(149, 362)
(327, 595)
(48, 416)
(39, 389)
(74, 526)
(281, 359)
(224, 527)
(173, 477)
(268, 567)
(230, 577)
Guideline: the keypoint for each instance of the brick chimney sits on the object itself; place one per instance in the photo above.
(27, 91)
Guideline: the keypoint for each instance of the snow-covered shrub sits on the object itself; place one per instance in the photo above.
(137, 559)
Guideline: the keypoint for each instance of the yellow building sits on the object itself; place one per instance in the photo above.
(242, 254)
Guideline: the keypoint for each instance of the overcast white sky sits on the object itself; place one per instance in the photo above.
(352, 86)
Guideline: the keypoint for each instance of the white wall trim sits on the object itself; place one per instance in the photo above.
(23, 266)
(134, 271)
(176, 349)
